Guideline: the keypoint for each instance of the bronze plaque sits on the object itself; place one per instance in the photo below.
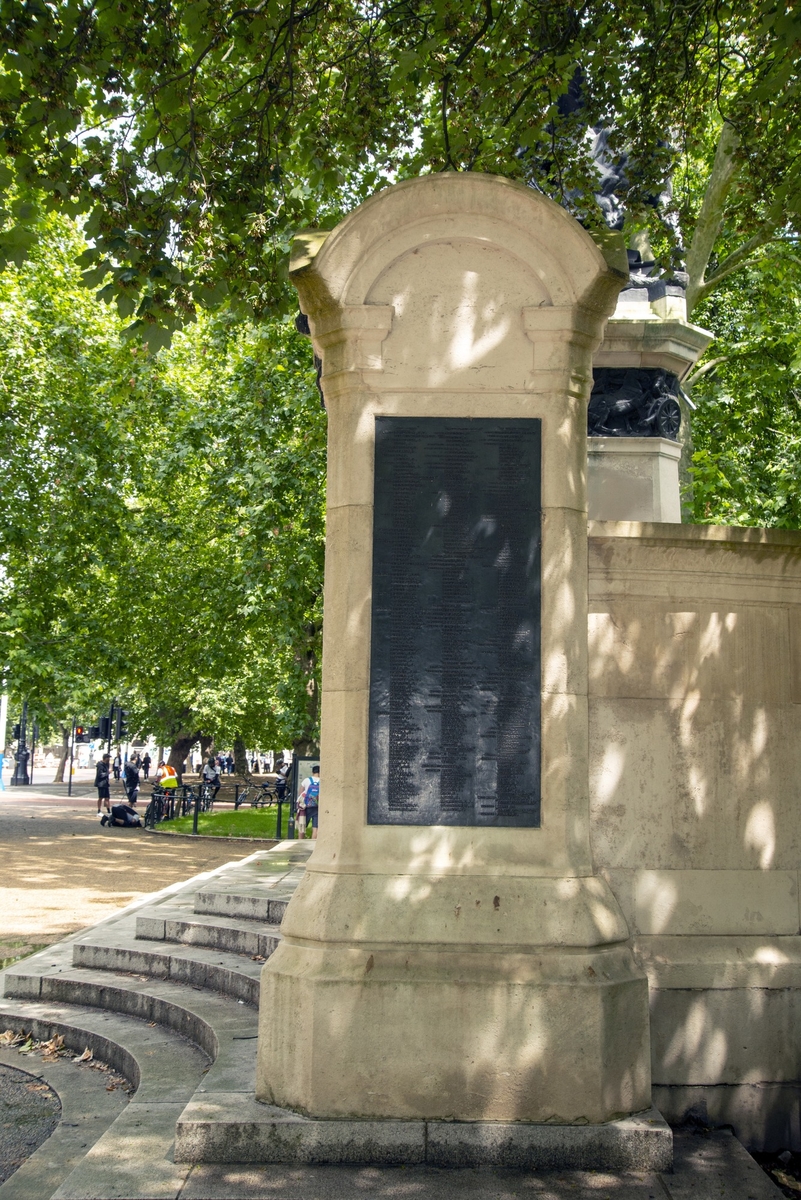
(455, 653)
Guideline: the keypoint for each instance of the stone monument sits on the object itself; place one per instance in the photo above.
(451, 954)
(635, 425)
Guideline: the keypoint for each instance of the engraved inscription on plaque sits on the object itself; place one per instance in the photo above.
(455, 657)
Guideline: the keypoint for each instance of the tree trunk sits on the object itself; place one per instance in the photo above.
(710, 219)
(305, 746)
(241, 764)
(65, 753)
(206, 746)
(179, 749)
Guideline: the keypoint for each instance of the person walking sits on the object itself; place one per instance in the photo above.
(229, 763)
(102, 783)
(116, 764)
(146, 761)
(309, 800)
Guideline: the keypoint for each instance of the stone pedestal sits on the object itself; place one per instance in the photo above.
(455, 971)
(633, 479)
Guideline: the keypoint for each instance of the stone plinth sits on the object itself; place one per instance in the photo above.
(633, 479)
(449, 971)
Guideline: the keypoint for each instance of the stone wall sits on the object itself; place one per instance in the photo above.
(695, 773)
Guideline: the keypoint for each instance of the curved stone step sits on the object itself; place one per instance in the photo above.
(161, 1065)
(223, 1028)
(133, 1156)
(237, 935)
(219, 971)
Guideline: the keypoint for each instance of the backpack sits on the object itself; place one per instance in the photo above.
(312, 792)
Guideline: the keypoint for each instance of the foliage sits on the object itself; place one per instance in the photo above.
(747, 430)
(162, 515)
(196, 136)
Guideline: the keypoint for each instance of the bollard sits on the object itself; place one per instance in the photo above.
(196, 813)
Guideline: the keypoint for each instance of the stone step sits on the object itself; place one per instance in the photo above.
(131, 1154)
(223, 1028)
(219, 1127)
(237, 935)
(254, 906)
(219, 971)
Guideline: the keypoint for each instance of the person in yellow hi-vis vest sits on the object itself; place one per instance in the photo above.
(166, 776)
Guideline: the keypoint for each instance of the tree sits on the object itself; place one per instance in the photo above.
(162, 514)
(197, 136)
(747, 428)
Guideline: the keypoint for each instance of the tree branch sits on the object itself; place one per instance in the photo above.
(742, 256)
(710, 218)
(704, 369)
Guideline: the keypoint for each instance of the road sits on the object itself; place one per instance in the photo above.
(61, 871)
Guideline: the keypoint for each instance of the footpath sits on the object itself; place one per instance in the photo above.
(166, 992)
(61, 871)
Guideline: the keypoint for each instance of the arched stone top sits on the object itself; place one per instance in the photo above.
(343, 269)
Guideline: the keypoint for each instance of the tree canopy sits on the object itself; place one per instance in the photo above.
(162, 515)
(195, 137)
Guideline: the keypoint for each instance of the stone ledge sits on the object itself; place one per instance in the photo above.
(224, 1127)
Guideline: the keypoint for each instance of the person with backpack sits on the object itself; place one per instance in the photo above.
(308, 801)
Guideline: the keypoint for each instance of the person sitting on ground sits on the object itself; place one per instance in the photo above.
(211, 776)
(102, 783)
(121, 814)
(309, 800)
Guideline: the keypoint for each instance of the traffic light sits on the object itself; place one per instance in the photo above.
(15, 732)
(81, 733)
(121, 731)
(104, 728)
(94, 731)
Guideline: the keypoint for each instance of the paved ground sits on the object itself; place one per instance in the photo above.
(62, 871)
(29, 1112)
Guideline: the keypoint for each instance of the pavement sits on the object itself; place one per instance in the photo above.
(29, 1112)
(61, 871)
(165, 991)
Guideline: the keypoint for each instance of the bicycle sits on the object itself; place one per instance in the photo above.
(155, 810)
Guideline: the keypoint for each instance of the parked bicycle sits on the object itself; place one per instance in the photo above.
(257, 795)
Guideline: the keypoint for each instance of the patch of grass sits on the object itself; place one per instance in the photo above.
(247, 822)
(12, 950)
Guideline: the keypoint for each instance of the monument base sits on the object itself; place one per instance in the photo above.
(234, 1127)
(633, 479)
(550, 1035)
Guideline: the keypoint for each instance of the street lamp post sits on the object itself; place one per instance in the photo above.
(20, 776)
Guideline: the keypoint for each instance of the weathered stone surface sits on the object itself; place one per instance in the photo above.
(455, 297)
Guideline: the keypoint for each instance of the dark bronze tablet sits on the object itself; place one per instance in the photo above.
(455, 654)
